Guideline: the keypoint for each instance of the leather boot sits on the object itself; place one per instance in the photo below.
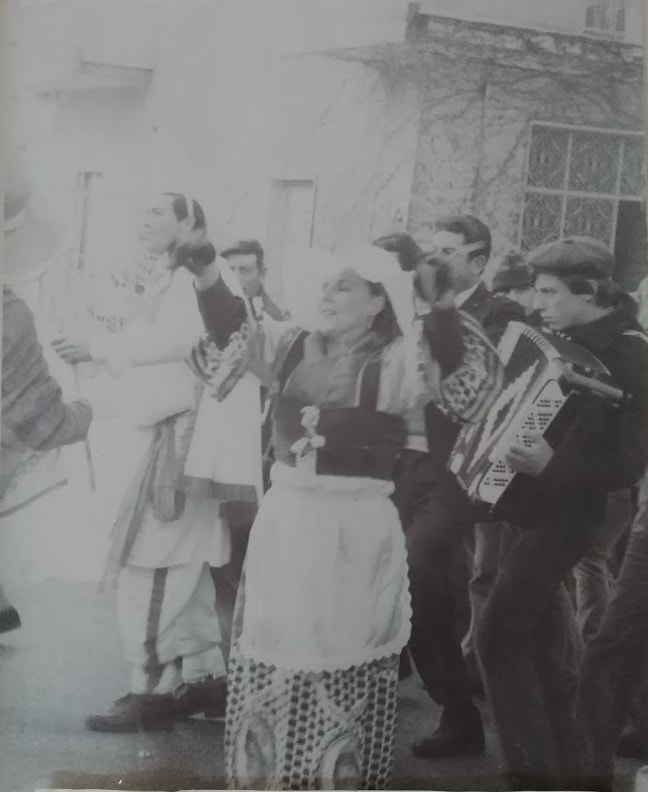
(460, 733)
(136, 712)
(207, 696)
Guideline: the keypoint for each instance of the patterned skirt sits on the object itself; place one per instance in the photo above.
(310, 730)
(322, 614)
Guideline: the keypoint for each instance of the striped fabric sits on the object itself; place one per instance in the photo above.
(34, 416)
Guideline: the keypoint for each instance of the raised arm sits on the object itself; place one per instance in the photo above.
(469, 390)
(223, 312)
(235, 343)
(445, 360)
(457, 367)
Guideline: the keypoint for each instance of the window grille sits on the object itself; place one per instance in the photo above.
(576, 178)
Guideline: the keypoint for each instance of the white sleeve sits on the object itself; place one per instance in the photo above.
(143, 396)
(169, 338)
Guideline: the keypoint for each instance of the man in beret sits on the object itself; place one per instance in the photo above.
(558, 507)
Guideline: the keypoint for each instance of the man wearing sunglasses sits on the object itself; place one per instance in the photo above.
(437, 515)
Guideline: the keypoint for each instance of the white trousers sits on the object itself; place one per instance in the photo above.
(169, 626)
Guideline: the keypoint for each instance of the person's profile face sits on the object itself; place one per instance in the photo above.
(161, 228)
(249, 273)
(451, 250)
(347, 304)
(558, 307)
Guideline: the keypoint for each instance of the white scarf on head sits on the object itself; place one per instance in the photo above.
(305, 272)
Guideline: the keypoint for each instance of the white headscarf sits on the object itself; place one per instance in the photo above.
(306, 272)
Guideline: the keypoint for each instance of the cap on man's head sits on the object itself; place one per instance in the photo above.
(578, 256)
(513, 273)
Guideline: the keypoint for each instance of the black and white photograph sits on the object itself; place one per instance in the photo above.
(324, 429)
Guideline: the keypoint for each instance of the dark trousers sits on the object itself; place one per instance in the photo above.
(226, 581)
(525, 646)
(492, 543)
(436, 517)
(616, 660)
(594, 581)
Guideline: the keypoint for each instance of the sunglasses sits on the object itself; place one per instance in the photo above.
(449, 252)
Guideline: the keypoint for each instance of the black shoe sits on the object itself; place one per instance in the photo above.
(136, 712)
(9, 619)
(208, 696)
(633, 745)
(457, 735)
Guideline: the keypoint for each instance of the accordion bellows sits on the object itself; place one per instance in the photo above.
(546, 378)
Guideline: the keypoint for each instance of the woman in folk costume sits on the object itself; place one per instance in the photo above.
(168, 530)
(323, 610)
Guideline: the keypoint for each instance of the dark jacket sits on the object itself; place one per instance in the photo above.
(605, 448)
(271, 308)
(34, 415)
(493, 312)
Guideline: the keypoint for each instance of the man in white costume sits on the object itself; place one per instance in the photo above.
(199, 453)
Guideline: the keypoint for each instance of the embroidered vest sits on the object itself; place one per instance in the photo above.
(359, 440)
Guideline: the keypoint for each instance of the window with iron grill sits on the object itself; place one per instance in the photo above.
(589, 182)
(575, 181)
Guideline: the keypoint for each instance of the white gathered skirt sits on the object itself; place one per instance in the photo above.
(325, 585)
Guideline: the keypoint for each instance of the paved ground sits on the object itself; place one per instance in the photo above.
(65, 663)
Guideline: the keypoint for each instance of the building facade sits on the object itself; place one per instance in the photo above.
(330, 123)
(538, 132)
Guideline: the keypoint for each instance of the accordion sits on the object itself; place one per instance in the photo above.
(546, 378)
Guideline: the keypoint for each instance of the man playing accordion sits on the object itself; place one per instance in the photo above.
(558, 503)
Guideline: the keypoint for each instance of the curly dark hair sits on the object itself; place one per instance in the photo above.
(471, 228)
(246, 247)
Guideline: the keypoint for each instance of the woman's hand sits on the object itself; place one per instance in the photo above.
(72, 350)
(198, 257)
(433, 284)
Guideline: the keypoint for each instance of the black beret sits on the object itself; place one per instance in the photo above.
(520, 277)
(573, 256)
